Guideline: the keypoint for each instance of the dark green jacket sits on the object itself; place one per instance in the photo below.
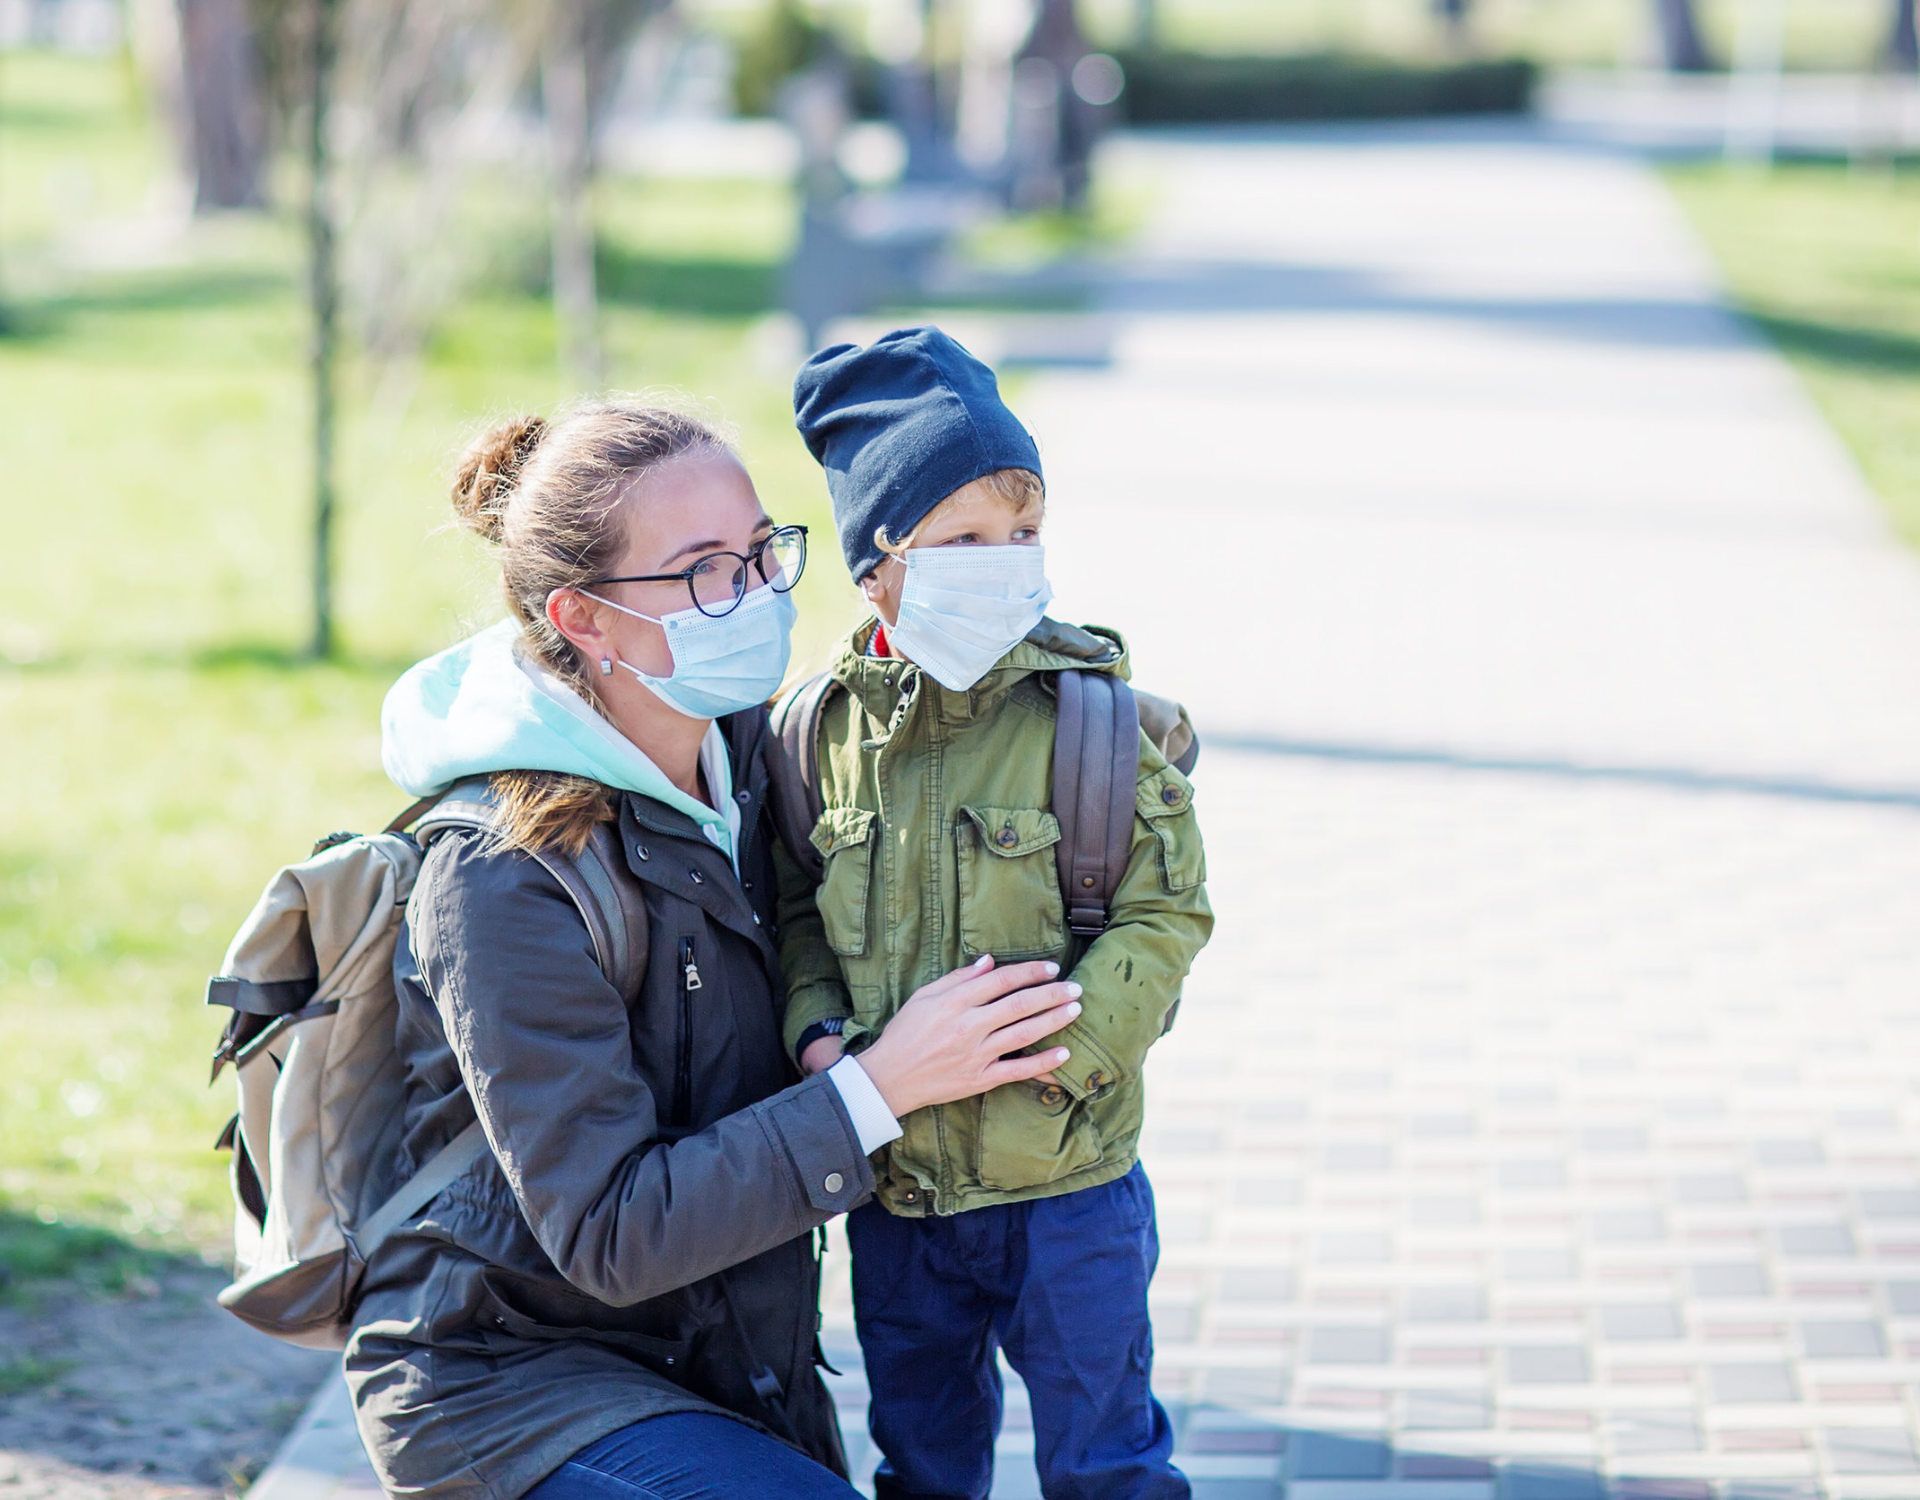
(939, 847)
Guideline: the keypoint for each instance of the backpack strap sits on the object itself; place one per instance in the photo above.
(419, 1190)
(794, 785)
(608, 897)
(1096, 771)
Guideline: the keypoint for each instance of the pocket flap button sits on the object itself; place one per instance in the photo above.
(1170, 795)
(1051, 1095)
(834, 1182)
(1007, 837)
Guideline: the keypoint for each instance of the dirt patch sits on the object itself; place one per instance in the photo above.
(140, 1389)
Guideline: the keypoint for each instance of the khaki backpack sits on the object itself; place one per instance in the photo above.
(309, 979)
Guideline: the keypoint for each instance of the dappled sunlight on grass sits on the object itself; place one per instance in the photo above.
(162, 744)
(1826, 259)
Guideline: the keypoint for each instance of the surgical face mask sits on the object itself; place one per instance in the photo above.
(963, 608)
(721, 666)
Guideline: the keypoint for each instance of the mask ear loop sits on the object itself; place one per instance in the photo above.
(606, 662)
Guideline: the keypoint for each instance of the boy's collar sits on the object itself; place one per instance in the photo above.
(1050, 646)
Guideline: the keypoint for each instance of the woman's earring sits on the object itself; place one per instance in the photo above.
(606, 666)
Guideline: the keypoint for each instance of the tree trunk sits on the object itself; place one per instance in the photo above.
(226, 125)
(563, 80)
(1146, 22)
(1903, 45)
(324, 298)
(1682, 47)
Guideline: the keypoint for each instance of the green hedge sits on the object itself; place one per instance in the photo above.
(1188, 88)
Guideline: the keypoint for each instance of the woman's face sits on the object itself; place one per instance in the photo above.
(676, 514)
(972, 516)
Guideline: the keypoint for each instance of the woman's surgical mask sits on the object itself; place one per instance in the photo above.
(963, 608)
(724, 665)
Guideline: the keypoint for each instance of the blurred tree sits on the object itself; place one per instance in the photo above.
(1903, 45)
(1054, 126)
(785, 41)
(1682, 47)
(565, 92)
(322, 24)
(224, 117)
(1454, 14)
(584, 43)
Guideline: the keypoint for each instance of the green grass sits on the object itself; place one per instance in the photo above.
(1586, 33)
(1826, 260)
(162, 749)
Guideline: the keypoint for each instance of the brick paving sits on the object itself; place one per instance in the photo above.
(1541, 1124)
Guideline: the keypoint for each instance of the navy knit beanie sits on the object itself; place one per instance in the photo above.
(899, 426)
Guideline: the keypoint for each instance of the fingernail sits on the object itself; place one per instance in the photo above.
(1062, 1055)
(1074, 1009)
(983, 960)
(1052, 969)
(1074, 990)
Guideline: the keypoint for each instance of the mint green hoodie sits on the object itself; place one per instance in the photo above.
(486, 705)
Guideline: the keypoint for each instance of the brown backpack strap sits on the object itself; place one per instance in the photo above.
(794, 771)
(1096, 770)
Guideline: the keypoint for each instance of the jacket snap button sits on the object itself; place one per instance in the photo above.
(909, 1196)
(641, 850)
(1170, 795)
(743, 798)
(499, 1322)
(1008, 838)
(698, 878)
(1087, 881)
(834, 1182)
(756, 919)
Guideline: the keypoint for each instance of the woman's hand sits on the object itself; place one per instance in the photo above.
(953, 1038)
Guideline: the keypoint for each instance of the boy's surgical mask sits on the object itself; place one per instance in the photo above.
(721, 666)
(963, 608)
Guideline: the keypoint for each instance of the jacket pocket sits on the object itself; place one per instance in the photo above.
(1165, 803)
(1009, 883)
(844, 837)
(1031, 1134)
(525, 1313)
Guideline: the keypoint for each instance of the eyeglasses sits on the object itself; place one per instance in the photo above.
(718, 582)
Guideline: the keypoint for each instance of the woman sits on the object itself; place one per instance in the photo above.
(620, 1298)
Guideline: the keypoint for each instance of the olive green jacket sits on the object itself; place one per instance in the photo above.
(939, 847)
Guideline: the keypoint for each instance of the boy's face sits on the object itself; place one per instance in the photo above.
(972, 516)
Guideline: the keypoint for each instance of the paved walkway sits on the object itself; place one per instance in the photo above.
(1543, 1118)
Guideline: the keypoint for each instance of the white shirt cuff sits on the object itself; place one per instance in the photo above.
(873, 1122)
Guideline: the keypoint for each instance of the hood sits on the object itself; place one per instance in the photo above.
(484, 705)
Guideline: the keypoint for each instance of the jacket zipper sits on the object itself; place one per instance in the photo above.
(683, 1070)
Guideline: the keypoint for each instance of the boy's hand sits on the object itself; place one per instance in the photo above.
(957, 1036)
(821, 1053)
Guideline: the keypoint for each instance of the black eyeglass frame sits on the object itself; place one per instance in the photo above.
(756, 559)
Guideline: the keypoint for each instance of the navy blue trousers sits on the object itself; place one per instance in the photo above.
(1061, 1285)
(689, 1455)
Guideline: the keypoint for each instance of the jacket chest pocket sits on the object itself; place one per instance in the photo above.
(1010, 902)
(1031, 1134)
(844, 836)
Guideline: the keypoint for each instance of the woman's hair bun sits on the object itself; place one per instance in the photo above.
(488, 471)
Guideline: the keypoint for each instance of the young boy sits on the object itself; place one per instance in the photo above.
(1021, 1220)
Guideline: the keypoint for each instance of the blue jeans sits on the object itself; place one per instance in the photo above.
(1061, 1285)
(690, 1455)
